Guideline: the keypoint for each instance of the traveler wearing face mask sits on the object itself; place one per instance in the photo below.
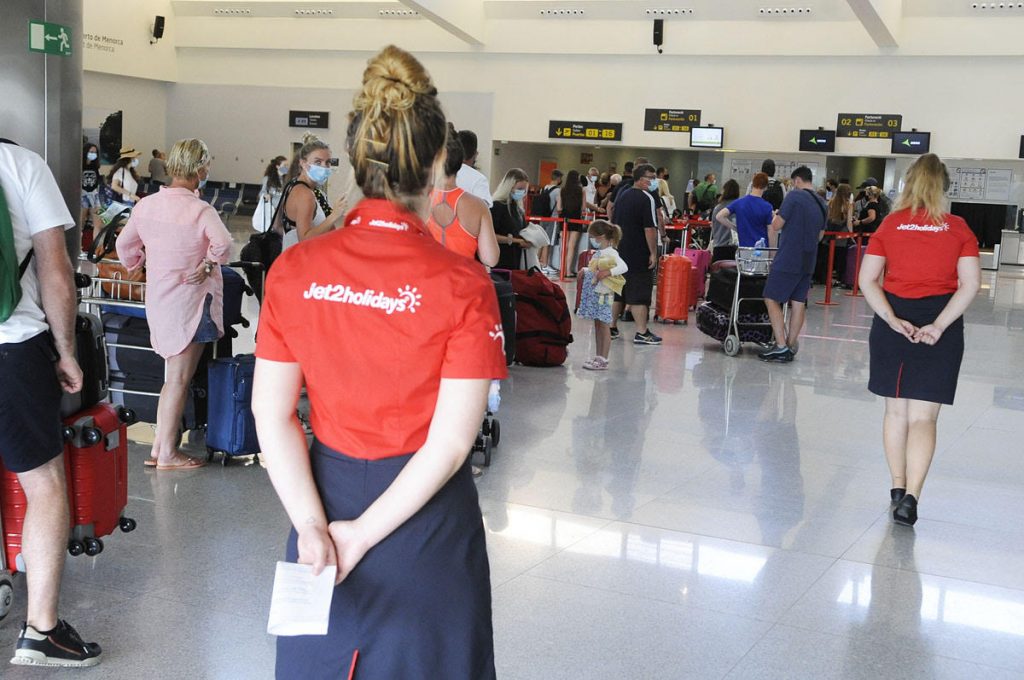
(182, 242)
(90, 185)
(665, 192)
(590, 189)
(123, 177)
(305, 211)
(507, 215)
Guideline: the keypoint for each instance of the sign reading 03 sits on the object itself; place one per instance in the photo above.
(869, 125)
(570, 129)
(671, 120)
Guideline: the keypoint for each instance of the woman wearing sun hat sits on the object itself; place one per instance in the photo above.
(123, 178)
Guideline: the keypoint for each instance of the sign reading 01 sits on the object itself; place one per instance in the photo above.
(869, 125)
(308, 119)
(568, 129)
(671, 120)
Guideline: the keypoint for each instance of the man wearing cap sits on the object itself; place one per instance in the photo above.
(123, 178)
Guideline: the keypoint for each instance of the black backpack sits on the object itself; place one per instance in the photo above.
(706, 199)
(773, 193)
(541, 205)
(884, 208)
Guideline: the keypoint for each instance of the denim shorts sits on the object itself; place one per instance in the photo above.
(207, 330)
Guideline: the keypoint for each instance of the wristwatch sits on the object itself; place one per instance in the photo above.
(209, 267)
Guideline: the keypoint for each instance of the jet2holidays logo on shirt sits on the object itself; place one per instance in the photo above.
(407, 299)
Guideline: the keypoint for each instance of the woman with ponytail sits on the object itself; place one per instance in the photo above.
(397, 340)
(305, 211)
(931, 269)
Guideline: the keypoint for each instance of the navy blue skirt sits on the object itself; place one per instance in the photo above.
(419, 603)
(907, 370)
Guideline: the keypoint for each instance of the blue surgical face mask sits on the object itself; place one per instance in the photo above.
(595, 244)
(202, 182)
(135, 163)
(318, 173)
(518, 194)
(282, 170)
(91, 156)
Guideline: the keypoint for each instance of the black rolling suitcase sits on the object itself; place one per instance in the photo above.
(502, 279)
(91, 353)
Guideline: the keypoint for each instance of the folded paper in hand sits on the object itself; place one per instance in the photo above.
(301, 602)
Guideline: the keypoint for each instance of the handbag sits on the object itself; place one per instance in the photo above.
(121, 284)
(265, 213)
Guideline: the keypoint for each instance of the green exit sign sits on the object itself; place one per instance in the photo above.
(49, 38)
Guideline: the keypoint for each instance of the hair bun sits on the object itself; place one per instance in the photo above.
(309, 138)
(392, 81)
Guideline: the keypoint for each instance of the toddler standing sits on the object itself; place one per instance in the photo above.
(600, 281)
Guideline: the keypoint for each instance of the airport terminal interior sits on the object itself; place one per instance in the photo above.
(685, 514)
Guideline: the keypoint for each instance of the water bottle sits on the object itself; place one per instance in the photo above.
(494, 396)
(759, 255)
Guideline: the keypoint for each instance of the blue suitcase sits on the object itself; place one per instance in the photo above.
(231, 428)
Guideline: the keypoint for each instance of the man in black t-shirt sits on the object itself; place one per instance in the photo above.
(635, 213)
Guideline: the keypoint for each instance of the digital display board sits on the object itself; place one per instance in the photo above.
(818, 140)
(915, 143)
(707, 137)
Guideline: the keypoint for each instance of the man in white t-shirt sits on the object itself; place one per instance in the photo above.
(469, 178)
(37, 362)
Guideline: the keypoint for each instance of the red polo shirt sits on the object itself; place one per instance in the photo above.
(376, 314)
(921, 257)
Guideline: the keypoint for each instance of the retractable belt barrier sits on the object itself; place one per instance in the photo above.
(831, 265)
(686, 226)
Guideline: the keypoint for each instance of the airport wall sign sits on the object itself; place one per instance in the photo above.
(571, 129)
(309, 119)
(822, 141)
(49, 38)
(671, 120)
(869, 125)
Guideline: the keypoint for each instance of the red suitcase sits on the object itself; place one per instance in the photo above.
(97, 451)
(674, 281)
(582, 262)
(12, 514)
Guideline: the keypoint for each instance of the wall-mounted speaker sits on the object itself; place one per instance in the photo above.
(158, 27)
(659, 33)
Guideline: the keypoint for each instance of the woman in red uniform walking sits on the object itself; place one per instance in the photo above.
(932, 273)
(397, 341)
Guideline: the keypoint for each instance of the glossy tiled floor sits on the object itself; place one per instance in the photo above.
(684, 515)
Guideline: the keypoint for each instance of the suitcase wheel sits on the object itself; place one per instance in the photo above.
(93, 546)
(6, 595)
(91, 436)
(127, 524)
(68, 433)
(495, 432)
(488, 445)
(75, 547)
(127, 416)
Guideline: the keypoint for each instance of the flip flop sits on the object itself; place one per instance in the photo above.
(150, 462)
(189, 464)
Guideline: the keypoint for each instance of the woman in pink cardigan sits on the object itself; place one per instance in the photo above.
(182, 242)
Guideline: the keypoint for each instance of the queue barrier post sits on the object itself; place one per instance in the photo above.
(856, 269)
(831, 266)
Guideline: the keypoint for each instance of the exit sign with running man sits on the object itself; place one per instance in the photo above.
(49, 38)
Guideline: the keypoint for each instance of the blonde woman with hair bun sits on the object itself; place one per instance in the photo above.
(397, 340)
(305, 210)
(929, 259)
(182, 243)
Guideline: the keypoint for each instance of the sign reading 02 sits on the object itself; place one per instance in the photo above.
(568, 129)
(671, 120)
(869, 125)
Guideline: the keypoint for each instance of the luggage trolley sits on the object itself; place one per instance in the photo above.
(750, 262)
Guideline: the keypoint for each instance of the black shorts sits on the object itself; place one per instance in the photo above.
(637, 290)
(786, 287)
(30, 426)
(907, 370)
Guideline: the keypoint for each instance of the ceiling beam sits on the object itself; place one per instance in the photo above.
(880, 18)
(462, 18)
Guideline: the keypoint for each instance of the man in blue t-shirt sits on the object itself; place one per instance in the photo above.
(800, 223)
(752, 213)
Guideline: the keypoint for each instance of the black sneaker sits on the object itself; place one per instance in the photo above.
(62, 646)
(615, 333)
(647, 338)
(777, 354)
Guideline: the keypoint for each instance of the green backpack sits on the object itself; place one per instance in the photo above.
(11, 270)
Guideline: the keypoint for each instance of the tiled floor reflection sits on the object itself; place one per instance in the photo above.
(683, 515)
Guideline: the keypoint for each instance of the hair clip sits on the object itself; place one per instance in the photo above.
(380, 164)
